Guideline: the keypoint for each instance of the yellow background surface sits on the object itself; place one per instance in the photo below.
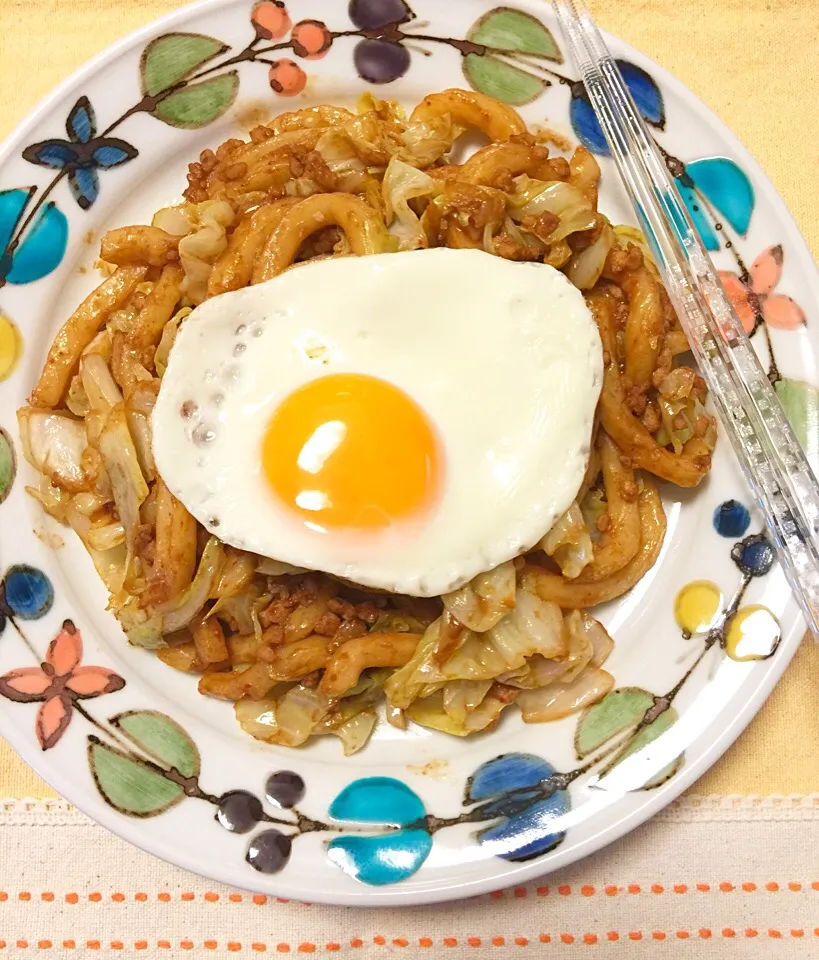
(754, 62)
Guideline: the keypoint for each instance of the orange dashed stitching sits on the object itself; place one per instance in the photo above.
(188, 895)
(564, 890)
(48, 897)
(657, 888)
(794, 886)
(163, 897)
(235, 897)
(212, 897)
(749, 887)
(520, 893)
(542, 891)
(498, 941)
(634, 888)
(702, 887)
(726, 887)
(141, 897)
(3, 896)
(260, 899)
(587, 890)
(682, 888)
(612, 891)
(118, 897)
(773, 887)
(25, 895)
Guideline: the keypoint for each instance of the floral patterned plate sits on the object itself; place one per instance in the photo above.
(417, 816)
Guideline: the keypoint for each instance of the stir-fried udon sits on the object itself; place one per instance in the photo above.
(300, 653)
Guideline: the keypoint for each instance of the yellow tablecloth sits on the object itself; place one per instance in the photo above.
(755, 62)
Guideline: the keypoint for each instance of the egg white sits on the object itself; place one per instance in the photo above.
(504, 358)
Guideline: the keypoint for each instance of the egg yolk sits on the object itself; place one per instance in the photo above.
(352, 451)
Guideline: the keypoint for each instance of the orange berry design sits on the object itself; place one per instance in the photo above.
(287, 78)
(271, 19)
(311, 39)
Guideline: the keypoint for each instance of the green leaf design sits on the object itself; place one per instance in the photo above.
(8, 465)
(616, 712)
(160, 738)
(200, 104)
(646, 736)
(174, 57)
(800, 401)
(513, 30)
(130, 785)
(496, 78)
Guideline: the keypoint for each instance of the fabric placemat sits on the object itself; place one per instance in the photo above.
(728, 871)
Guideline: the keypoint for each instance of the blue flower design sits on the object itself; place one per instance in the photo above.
(646, 94)
(388, 857)
(83, 154)
(525, 794)
(721, 183)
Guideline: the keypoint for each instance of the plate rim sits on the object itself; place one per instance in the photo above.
(770, 672)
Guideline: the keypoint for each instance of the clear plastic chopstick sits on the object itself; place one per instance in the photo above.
(774, 464)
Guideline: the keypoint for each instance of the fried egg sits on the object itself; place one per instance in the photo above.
(405, 421)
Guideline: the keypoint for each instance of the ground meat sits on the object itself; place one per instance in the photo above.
(342, 608)
(629, 490)
(315, 168)
(510, 249)
(327, 625)
(603, 523)
(542, 226)
(665, 362)
(636, 400)
(368, 612)
(651, 419)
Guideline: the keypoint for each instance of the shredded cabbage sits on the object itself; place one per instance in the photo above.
(569, 543)
(181, 610)
(534, 197)
(54, 444)
(485, 600)
(401, 184)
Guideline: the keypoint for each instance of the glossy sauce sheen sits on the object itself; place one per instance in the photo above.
(405, 421)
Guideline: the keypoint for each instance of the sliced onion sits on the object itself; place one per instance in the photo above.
(180, 611)
(559, 700)
(586, 267)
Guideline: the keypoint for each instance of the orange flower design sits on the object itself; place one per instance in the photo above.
(755, 297)
(58, 683)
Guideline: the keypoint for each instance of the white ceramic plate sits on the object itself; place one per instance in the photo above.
(130, 741)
